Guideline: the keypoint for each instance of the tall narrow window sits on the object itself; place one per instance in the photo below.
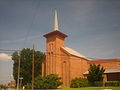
(64, 73)
(49, 47)
(52, 46)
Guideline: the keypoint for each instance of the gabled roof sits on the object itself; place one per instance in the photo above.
(108, 70)
(73, 52)
(104, 61)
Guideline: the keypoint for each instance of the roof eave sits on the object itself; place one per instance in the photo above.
(55, 33)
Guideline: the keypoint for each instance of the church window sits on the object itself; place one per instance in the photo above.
(48, 46)
(64, 61)
(52, 46)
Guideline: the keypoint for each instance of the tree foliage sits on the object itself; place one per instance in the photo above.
(51, 81)
(2, 87)
(95, 73)
(26, 64)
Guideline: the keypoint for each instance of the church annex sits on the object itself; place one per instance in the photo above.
(68, 63)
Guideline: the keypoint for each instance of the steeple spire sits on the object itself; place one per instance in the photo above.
(55, 21)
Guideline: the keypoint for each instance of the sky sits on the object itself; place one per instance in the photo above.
(92, 26)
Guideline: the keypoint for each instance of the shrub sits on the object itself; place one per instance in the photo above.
(39, 82)
(28, 86)
(3, 87)
(79, 82)
(98, 83)
(51, 81)
(112, 83)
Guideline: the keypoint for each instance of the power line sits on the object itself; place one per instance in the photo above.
(33, 18)
(93, 58)
(82, 57)
(9, 50)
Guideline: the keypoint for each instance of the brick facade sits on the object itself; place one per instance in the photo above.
(67, 66)
(58, 61)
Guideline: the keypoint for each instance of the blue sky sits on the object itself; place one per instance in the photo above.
(92, 26)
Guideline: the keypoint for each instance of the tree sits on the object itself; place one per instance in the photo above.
(95, 73)
(26, 64)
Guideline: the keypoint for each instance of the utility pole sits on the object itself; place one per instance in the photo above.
(21, 78)
(18, 72)
(33, 69)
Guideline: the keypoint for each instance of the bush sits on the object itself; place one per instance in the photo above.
(39, 82)
(3, 87)
(112, 83)
(98, 83)
(79, 82)
(28, 86)
(51, 81)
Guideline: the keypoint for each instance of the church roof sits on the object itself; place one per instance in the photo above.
(104, 61)
(57, 33)
(73, 52)
(108, 70)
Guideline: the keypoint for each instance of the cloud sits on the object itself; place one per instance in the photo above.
(20, 39)
(4, 57)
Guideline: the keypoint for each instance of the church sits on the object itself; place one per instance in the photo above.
(68, 63)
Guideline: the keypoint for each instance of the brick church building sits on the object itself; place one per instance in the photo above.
(68, 63)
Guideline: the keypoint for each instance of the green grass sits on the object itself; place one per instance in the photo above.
(83, 88)
(91, 88)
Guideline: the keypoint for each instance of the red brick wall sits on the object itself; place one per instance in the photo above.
(77, 67)
(65, 69)
(65, 65)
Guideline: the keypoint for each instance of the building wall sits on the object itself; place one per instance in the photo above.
(65, 69)
(72, 67)
(53, 59)
(67, 66)
(44, 66)
(77, 67)
(57, 61)
(113, 77)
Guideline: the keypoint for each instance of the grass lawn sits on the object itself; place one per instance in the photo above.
(92, 88)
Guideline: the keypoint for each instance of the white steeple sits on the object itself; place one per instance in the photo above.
(55, 22)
